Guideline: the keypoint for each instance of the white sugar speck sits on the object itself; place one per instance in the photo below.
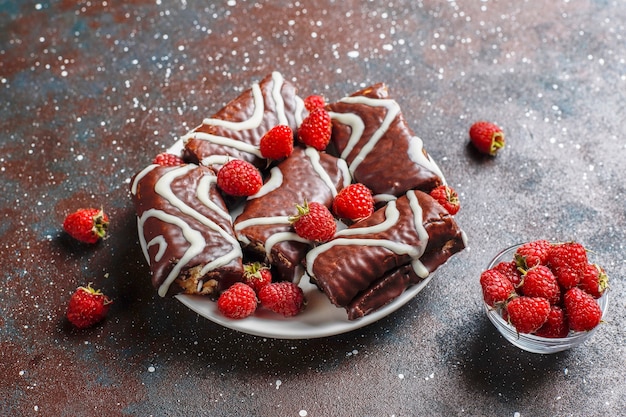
(151, 368)
(516, 414)
(278, 383)
(353, 54)
(401, 376)
(303, 413)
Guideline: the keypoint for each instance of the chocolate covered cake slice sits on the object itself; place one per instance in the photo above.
(185, 230)
(263, 227)
(236, 130)
(370, 133)
(373, 261)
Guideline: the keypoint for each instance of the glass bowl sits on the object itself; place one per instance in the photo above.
(529, 342)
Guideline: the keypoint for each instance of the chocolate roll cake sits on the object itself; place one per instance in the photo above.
(264, 227)
(371, 135)
(373, 261)
(236, 130)
(185, 230)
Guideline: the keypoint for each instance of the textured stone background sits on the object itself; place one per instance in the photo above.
(91, 90)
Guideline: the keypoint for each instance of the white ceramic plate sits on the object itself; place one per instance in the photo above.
(319, 319)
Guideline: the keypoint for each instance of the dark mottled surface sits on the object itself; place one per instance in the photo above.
(90, 91)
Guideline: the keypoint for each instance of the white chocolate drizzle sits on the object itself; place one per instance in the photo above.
(392, 216)
(274, 181)
(197, 243)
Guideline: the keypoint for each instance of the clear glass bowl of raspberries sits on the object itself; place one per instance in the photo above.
(545, 297)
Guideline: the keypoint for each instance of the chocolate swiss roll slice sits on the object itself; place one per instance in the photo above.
(383, 153)
(373, 261)
(263, 227)
(185, 230)
(236, 130)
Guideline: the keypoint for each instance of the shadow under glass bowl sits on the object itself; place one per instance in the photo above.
(529, 342)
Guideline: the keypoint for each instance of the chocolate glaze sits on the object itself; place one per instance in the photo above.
(388, 168)
(300, 182)
(239, 110)
(364, 278)
(184, 187)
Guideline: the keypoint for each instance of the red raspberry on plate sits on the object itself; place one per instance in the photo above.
(313, 102)
(593, 280)
(277, 143)
(238, 301)
(509, 270)
(256, 275)
(239, 178)
(487, 137)
(168, 160)
(314, 222)
(447, 197)
(496, 287)
(567, 261)
(528, 314)
(583, 311)
(556, 324)
(283, 297)
(532, 254)
(355, 202)
(539, 281)
(87, 307)
(315, 129)
(87, 225)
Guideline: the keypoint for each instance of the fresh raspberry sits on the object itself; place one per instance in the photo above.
(496, 287)
(256, 275)
(283, 297)
(532, 254)
(509, 270)
(238, 301)
(583, 311)
(528, 314)
(486, 137)
(556, 324)
(277, 143)
(87, 307)
(87, 225)
(239, 178)
(593, 280)
(314, 222)
(539, 281)
(168, 160)
(315, 129)
(567, 261)
(447, 197)
(313, 102)
(355, 202)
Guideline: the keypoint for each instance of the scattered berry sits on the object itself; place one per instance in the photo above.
(509, 270)
(539, 281)
(447, 197)
(496, 287)
(567, 261)
(314, 222)
(168, 160)
(277, 143)
(486, 137)
(256, 275)
(583, 311)
(532, 254)
(355, 202)
(239, 178)
(87, 307)
(556, 324)
(315, 129)
(283, 297)
(313, 102)
(528, 314)
(238, 301)
(593, 280)
(87, 225)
